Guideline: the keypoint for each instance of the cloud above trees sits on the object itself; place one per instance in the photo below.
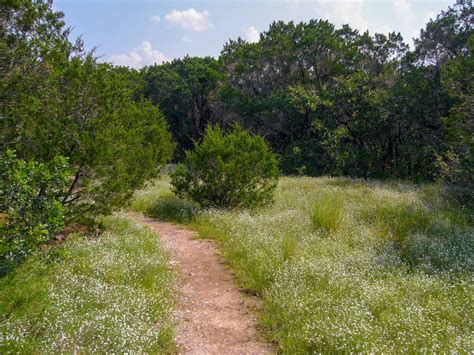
(251, 34)
(139, 56)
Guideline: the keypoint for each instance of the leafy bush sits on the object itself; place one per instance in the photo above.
(327, 212)
(227, 170)
(30, 195)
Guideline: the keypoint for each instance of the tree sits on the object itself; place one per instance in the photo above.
(458, 161)
(185, 90)
(318, 95)
(445, 37)
(56, 103)
(446, 47)
(30, 202)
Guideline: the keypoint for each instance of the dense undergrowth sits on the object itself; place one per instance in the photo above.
(100, 294)
(346, 265)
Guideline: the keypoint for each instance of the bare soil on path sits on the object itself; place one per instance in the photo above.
(213, 315)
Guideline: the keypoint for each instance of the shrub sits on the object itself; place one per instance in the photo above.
(327, 212)
(227, 170)
(30, 195)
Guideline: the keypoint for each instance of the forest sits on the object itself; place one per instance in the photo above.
(332, 169)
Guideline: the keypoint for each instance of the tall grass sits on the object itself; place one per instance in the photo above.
(328, 212)
(394, 275)
(104, 294)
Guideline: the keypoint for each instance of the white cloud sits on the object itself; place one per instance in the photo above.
(190, 19)
(155, 18)
(338, 12)
(140, 56)
(402, 7)
(251, 34)
(404, 12)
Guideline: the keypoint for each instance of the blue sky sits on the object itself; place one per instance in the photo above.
(142, 32)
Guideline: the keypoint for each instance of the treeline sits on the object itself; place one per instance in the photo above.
(335, 101)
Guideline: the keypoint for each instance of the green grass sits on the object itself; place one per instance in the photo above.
(327, 212)
(100, 294)
(347, 265)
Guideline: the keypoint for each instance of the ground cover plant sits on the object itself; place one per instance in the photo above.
(110, 293)
(387, 267)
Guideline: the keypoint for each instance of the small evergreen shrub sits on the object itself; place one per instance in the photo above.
(227, 170)
(30, 205)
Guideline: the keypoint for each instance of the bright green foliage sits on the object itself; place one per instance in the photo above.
(100, 294)
(327, 212)
(30, 195)
(228, 170)
(395, 276)
(57, 100)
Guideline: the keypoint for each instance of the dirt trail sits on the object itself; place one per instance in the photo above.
(213, 315)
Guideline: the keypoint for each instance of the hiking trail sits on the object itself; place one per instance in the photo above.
(213, 315)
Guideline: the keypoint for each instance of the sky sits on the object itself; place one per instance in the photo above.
(142, 32)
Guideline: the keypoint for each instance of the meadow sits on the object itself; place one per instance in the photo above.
(345, 264)
(106, 293)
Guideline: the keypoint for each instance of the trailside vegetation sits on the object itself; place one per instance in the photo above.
(91, 294)
(30, 200)
(57, 100)
(345, 265)
(227, 170)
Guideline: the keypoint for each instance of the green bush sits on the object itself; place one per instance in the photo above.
(30, 204)
(227, 170)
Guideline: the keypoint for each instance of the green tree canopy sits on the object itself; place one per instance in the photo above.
(59, 101)
(185, 90)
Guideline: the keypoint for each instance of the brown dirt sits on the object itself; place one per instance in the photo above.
(213, 315)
